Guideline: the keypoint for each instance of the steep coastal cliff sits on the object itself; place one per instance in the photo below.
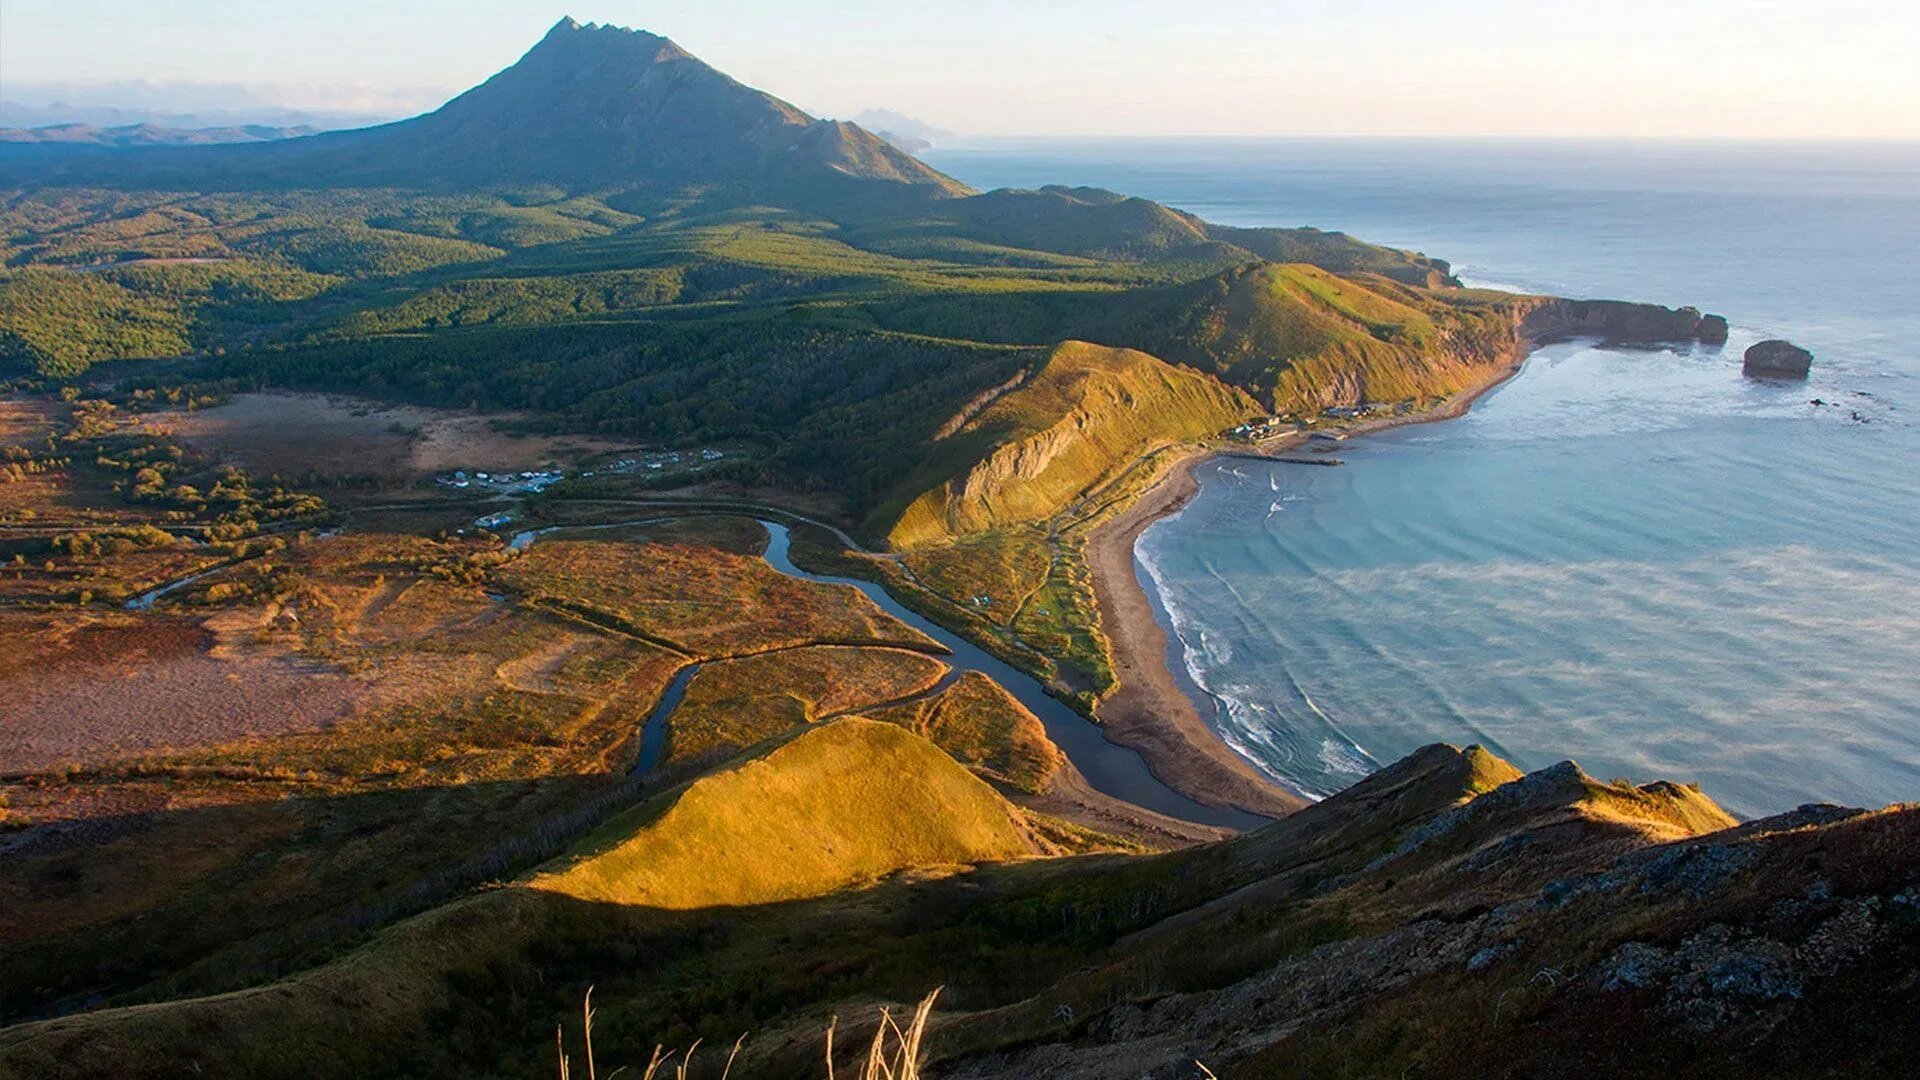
(1085, 416)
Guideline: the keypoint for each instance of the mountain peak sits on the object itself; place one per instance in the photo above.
(595, 105)
(591, 107)
(576, 40)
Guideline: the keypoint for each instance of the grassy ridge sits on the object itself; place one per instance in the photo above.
(1302, 338)
(1079, 421)
(1394, 917)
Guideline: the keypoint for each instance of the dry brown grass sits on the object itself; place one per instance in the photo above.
(705, 602)
(25, 422)
(737, 703)
(896, 1052)
(980, 723)
(314, 732)
(294, 433)
(91, 688)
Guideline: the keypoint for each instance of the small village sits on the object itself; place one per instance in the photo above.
(660, 464)
(1269, 427)
(534, 481)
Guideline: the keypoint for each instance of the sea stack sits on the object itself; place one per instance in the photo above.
(1712, 329)
(1777, 359)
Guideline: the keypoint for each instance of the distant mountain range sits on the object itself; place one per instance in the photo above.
(903, 131)
(53, 107)
(129, 135)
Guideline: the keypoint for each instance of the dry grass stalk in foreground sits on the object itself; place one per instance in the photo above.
(897, 1058)
(904, 1061)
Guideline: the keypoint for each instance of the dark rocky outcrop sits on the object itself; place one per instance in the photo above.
(1777, 359)
(1621, 321)
(1446, 917)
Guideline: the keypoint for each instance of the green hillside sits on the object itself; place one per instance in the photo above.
(622, 240)
(1303, 338)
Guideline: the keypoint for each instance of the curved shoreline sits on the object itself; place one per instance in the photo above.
(1150, 710)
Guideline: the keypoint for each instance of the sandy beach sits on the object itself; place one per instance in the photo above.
(1150, 711)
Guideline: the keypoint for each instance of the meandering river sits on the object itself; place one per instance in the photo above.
(1109, 768)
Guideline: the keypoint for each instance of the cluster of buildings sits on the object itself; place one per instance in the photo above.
(1355, 412)
(533, 481)
(530, 481)
(661, 461)
(1266, 427)
(1262, 428)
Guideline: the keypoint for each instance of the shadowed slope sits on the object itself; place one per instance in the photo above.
(1447, 916)
(837, 805)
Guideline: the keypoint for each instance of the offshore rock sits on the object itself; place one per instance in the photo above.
(1777, 359)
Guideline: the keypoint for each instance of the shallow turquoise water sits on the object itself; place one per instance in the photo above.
(1637, 559)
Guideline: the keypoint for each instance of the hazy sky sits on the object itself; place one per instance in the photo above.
(1572, 67)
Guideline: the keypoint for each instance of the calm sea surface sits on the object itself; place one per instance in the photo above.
(1636, 559)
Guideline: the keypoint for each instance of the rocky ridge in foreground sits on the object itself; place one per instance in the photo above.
(1448, 916)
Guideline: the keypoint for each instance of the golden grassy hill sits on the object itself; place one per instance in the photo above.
(839, 804)
(1079, 421)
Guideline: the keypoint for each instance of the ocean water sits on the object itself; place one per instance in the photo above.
(1634, 558)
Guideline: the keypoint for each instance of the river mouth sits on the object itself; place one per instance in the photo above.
(1109, 768)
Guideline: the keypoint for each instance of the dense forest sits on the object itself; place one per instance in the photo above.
(839, 338)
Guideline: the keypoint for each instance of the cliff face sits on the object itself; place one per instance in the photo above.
(1266, 337)
(1085, 417)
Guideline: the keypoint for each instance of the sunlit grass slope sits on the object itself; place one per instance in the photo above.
(1301, 338)
(840, 804)
(1084, 417)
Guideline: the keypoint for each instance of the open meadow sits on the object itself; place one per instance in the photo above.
(298, 434)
